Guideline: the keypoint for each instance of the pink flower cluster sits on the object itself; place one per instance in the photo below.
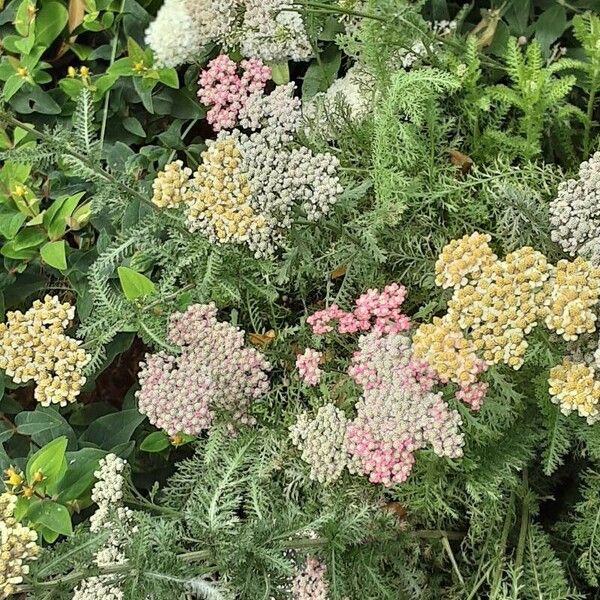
(308, 366)
(373, 311)
(226, 92)
(472, 394)
(214, 372)
(310, 583)
(397, 413)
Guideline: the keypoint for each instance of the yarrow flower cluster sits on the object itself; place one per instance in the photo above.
(308, 366)
(214, 372)
(322, 441)
(496, 303)
(399, 411)
(373, 310)
(575, 213)
(34, 347)
(18, 546)
(110, 514)
(310, 583)
(261, 28)
(226, 92)
(348, 98)
(247, 186)
(574, 388)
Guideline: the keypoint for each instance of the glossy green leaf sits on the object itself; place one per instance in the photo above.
(112, 430)
(51, 20)
(54, 254)
(134, 285)
(79, 478)
(55, 218)
(50, 460)
(156, 441)
(52, 515)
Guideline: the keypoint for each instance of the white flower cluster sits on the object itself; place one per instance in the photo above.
(98, 588)
(107, 493)
(347, 99)
(272, 32)
(264, 29)
(322, 441)
(575, 213)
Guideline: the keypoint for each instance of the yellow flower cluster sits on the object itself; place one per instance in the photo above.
(575, 291)
(444, 347)
(219, 197)
(496, 303)
(170, 185)
(503, 305)
(464, 258)
(33, 346)
(17, 546)
(574, 388)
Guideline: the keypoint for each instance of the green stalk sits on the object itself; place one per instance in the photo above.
(113, 56)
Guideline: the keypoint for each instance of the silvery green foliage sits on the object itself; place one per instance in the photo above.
(575, 213)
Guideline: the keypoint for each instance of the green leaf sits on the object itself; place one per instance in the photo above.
(550, 26)
(79, 478)
(112, 430)
(6, 432)
(55, 218)
(43, 425)
(25, 244)
(22, 22)
(50, 460)
(135, 285)
(52, 515)
(54, 254)
(134, 50)
(13, 84)
(280, 72)
(320, 76)
(51, 20)
(10, 222)
(132, 125)
(169, 77)
(144, 89)
(155, 442)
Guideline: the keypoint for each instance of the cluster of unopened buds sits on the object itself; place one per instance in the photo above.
(34, 347)
(19, 486)
(497, 303)
(226, 92)
(374, 310)
(18, 546)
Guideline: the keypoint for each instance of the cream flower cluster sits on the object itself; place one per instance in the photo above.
(260, 28)
(170, 185)
(18, 546)
(214, 371)
(34, 347)
(575, 213)
(574, 388)
(310, 583)
(322, 441)
(247, 186)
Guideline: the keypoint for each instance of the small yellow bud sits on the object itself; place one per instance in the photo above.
(38, 477)
(177, 440)
(71, 71)
(84, 72)
(14, 478)
(23, 72)
(28, 491)
(139, 66)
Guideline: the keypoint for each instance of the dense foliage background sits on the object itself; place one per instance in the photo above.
(472, 114)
